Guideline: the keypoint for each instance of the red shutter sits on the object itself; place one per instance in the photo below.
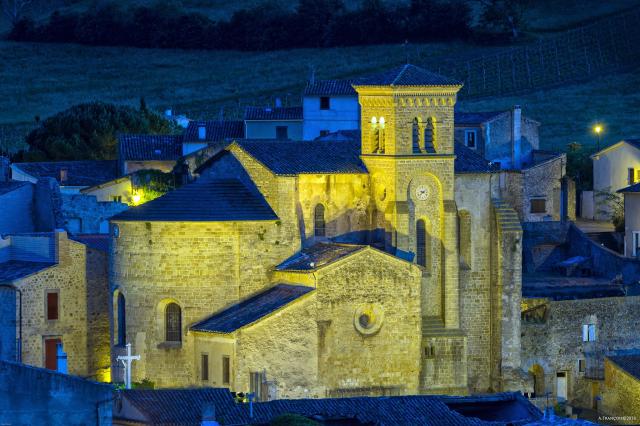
(52, 306)
(51, 354)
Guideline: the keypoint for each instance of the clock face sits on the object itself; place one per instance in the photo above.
(422, 192)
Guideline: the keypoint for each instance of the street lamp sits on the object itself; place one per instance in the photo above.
(598, 129)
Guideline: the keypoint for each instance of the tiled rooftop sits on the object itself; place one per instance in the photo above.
(461, 117)
(206, 200)
(560, 287)
(78, 173)
(630, 189)
(330, 88)
(252, 309)
(16, 269)
(298, 157)
(149, 147)
(253, 113)
(215, 131)
(182, 407)
(629, 363)
(317, 256)
(407, 75)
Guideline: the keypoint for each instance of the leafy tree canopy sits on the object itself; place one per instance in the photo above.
(89, 131)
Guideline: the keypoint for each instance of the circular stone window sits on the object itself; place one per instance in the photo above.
(368, 319)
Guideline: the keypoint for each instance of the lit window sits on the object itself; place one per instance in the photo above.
(173, 323)
(52, 305)
(588, 332)
(325, 102)
(470, 138)
(538, 205)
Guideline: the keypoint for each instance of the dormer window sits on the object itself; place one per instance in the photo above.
(202, 132)
(63, 175)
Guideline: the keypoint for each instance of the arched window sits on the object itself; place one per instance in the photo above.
(318, 221)
(122, 321)
(415, 136)
(173, 323)
(430, 135)
(421, 243)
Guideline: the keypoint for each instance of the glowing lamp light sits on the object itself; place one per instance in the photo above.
(373, 120)
(136, 198)
(382, 121)
(597, 128)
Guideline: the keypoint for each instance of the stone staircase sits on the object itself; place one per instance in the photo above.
(434, 326)
(507, 217)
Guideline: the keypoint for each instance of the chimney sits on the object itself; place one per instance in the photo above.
(516, 137)
(278, 102)
(209, 415)
(202, 132)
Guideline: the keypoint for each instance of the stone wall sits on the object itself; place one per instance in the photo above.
(83, 337)
(34, 396)
(92, 215)
(557, 345)
(203, 267)
(621, 394)
(98, 314)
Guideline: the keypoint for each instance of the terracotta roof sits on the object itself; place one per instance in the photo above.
(79, 173)
(175, 407)
(560, 287)
(306, 157)
(629, 363)
(94, 241)
(11, 185)
(253, 113)
(206, 200)
(318, 255)
(252, 309)
(149, 147)
(215, 131)
(407, 75)
(16, 269)
(330, 88)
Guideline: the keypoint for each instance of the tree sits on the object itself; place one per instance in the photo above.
(88, 131)
(503, 16)
(13, 10)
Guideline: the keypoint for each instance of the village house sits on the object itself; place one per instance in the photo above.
(631, 201)
(621, 393)
(57, 301)
(614, 167)
(277, 122)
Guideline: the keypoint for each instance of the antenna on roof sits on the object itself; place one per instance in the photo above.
(312, 74)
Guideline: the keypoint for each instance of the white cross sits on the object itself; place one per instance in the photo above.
(126, 361)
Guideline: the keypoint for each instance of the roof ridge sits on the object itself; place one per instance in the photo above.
(404, 69)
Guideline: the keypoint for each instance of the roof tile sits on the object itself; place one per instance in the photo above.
(149, 147)
(318, 255)
(215, 131)
(78, 173)
(252, 309)
(253, 113)
(407, 75)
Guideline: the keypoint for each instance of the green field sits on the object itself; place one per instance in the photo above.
(42, 79)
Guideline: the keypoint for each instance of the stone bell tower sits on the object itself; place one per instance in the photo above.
(408, 147)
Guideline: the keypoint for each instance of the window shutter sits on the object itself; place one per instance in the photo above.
(592, 332)
(585, 333)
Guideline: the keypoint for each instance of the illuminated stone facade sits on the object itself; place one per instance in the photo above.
(418, 307)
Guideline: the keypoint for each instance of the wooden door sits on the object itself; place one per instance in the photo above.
(561, 389)
(51, 354)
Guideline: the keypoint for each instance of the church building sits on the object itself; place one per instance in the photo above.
(291, 269)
